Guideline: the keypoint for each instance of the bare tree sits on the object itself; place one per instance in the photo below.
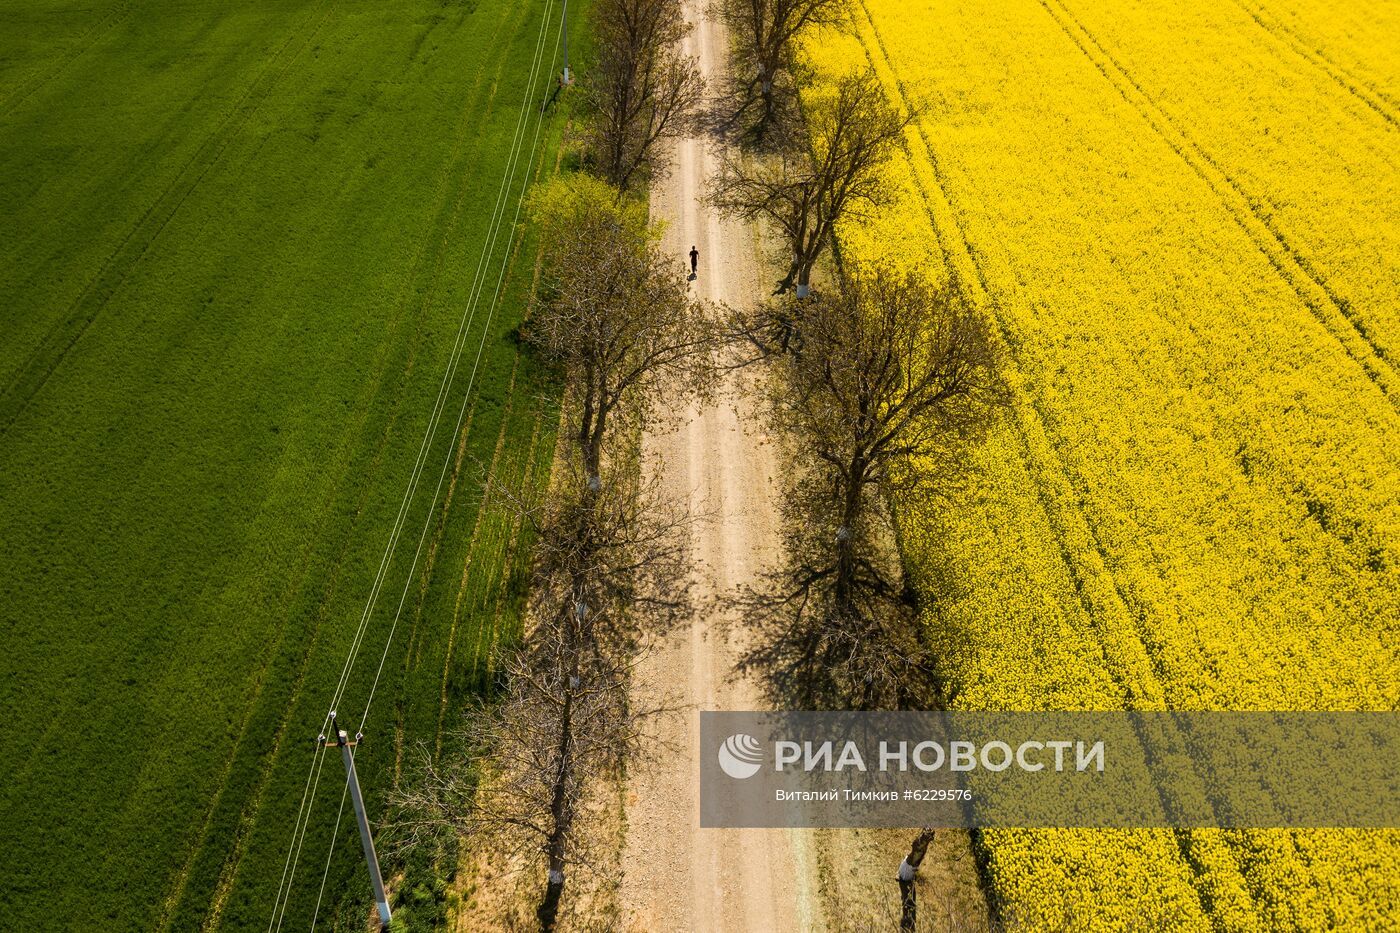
(522, 779)
(888, 378)
(605, 561)
(805, 190)
(890, 370)
(608, 560)
(615, 314)
(641, 88)
(764, 31)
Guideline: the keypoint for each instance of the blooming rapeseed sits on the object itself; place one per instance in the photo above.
(1179, 220)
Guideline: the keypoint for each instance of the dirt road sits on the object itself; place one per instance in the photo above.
(677, 876)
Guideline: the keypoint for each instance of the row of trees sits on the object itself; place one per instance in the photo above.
(876, 371)
(885, 381)
(642, 91)
(880, 379)
(613, 319)
(877, 377)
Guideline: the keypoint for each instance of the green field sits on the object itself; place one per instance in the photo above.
(238, 239)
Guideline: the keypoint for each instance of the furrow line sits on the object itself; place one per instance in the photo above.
(31, 378)
(250, 812)
(181, 876)
(1131, 664)
(1331, 310)
(469, 560)
(962, 258)
(31, 85)
(1372, 97)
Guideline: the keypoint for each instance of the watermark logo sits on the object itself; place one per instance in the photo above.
(740, 756)
(1049, 769)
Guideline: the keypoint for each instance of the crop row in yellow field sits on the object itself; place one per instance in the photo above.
(1360, 42)
(1179, 220)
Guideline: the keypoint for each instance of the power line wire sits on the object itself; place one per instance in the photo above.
(490, 316)
(335, 834)
(464, 327)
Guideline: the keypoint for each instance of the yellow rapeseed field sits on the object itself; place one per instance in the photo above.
(1182, 220)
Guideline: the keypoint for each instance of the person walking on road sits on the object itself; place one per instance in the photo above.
(694, 261)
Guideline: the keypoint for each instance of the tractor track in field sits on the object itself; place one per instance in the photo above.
(1198, 859)
(94, 34)
(46, 358)
(515, 524)
(533, 170)
(473, 541)
(1371, 96)
(180, 877)
(1036, 440)
(1054, 444)
(465, 325)
(1331, 310)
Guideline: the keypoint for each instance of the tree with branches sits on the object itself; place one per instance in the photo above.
(522, 776)
(613, 313)
(603, 565)
(806, 189)
(764, 32)
(641, 89)
(889, 377)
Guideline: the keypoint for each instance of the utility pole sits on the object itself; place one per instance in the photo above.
(346, 746)
(568, 79)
